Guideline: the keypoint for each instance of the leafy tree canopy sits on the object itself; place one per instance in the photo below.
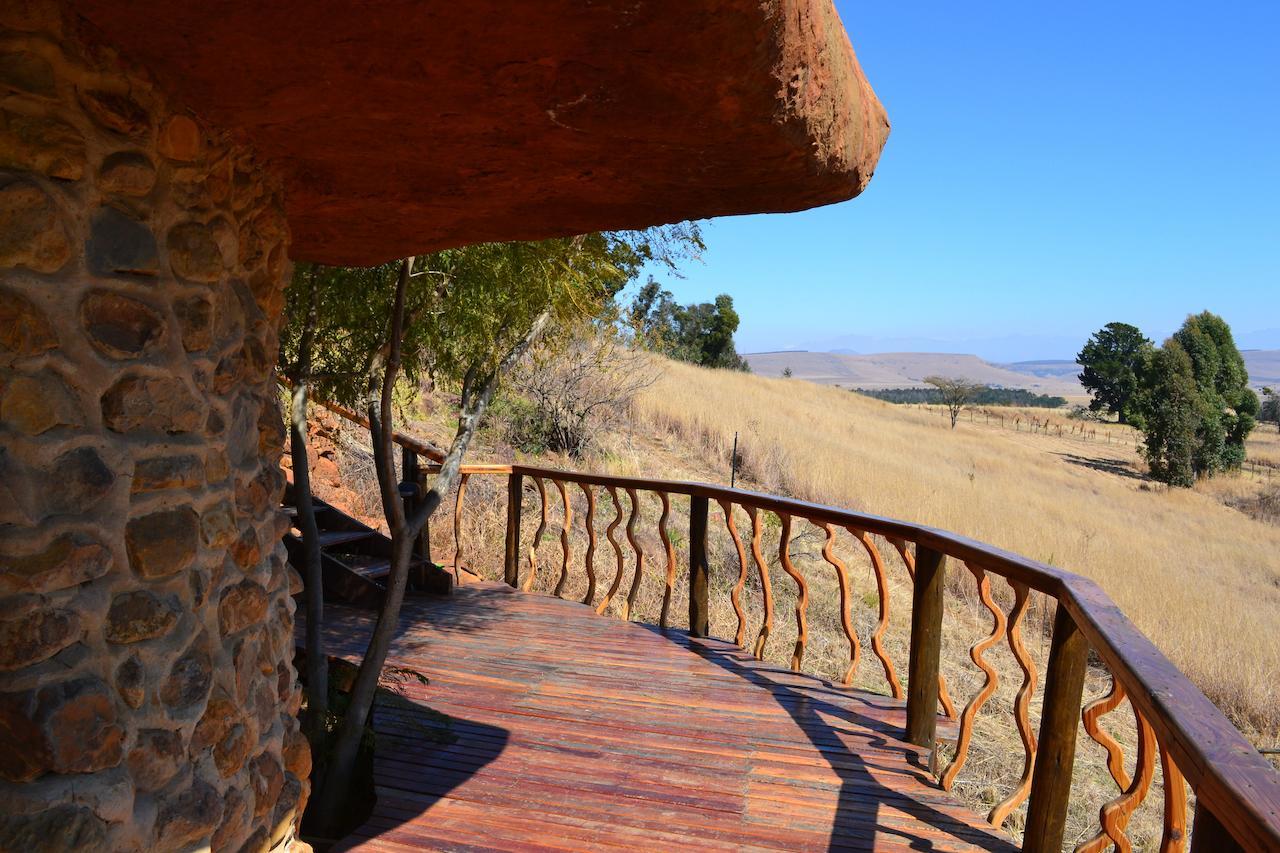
(465, 308)
(1113, 360)
(1196, 404)
(701, 333)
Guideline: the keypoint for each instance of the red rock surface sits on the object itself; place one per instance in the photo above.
(409, 125)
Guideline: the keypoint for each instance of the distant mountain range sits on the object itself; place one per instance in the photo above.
(908, 370)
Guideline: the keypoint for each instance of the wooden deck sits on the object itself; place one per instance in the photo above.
(571, 731)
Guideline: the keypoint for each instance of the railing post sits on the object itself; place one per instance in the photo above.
(515, 495)
(699, 615)
(926, 647)
(1056, 749)
(410, 474)
(1209, 834)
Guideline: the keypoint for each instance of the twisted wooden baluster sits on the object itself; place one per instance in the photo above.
(617, 549)
(1091, 714)
(735, 595)
(671, 558)
(457, 526)
(976, 651)
(589, 560)
(1021, 705)
(802, 592)
(766, 588)
(846, 602)
(1114, 816)
(882, 590)
(635, 546)
(537, 536)
(1174, 838)
(564, 539)
(909, 560)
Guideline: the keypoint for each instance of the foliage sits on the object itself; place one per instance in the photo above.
(1269, 413)
(1196, 403)
(1113, 360)
(464, 308)
(956, 393)
(786, 373)
(1171, 416)
(984, 396)
(573, 392)
(700, 333)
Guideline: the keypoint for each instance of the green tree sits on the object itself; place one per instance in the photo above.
(701, 333)
(1113, 361)
(1171, 416)
(1196, 403)
(1270, 410)
(1230, 407)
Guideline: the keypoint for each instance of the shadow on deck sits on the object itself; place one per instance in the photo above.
(569, 730)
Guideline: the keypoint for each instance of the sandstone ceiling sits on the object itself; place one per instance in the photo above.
(410, 125)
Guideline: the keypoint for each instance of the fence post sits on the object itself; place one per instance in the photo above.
(699, 616)
(926, 646)
(1051, 780)
(515, 495)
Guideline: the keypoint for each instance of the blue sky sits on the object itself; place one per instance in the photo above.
(1052, 167)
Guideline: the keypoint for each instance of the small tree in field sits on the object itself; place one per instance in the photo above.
(956, 393)
(1270, 411)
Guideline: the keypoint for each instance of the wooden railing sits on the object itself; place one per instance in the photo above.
(1237, 792)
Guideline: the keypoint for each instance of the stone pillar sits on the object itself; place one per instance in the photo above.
(147, 693)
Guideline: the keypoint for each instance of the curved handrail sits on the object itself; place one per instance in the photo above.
(1237, 785)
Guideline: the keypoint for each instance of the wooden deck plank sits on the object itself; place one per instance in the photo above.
(571, 731)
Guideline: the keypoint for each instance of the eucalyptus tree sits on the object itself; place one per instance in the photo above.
(464, 317)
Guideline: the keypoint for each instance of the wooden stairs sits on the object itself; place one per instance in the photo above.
(355, 559)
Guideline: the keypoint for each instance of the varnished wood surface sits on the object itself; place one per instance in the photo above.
(576, 732)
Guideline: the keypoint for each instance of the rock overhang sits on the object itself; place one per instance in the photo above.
(412, 126)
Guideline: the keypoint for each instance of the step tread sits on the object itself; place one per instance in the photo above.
(330, 538)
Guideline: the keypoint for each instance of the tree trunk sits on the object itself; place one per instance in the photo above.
(317, 663)
(477, 392)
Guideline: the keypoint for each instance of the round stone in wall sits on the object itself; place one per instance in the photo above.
(194, 253)
(140, 615)
(120, 326)
(32, 233)
(127, 173)
(162, 543)
(120, 245)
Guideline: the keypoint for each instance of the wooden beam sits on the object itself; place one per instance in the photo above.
(926, 647)
(1056, 751)
(699, 613)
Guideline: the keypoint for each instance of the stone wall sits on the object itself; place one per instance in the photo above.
(147, 694)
